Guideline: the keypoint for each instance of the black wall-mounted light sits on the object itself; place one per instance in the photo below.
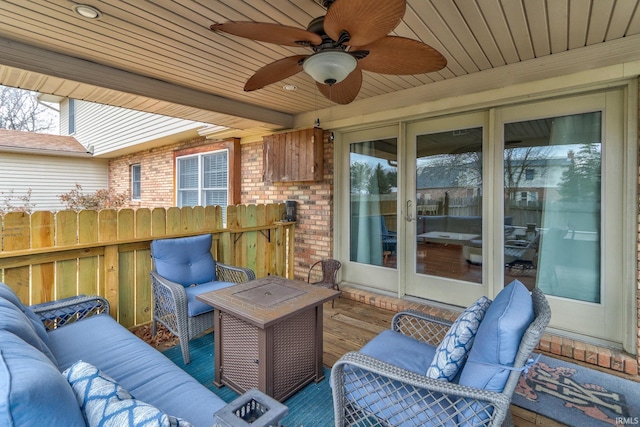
(291, 210)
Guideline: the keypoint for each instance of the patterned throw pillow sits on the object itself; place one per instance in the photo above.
(104, 403)
(454, 348)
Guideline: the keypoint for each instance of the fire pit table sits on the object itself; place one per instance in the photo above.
(268, 335)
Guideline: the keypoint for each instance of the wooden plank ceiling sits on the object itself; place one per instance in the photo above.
(185, 70)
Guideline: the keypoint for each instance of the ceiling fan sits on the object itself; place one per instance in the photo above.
(350, 38)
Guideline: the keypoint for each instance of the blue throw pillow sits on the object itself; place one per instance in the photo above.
(454, 348)
(104, 403)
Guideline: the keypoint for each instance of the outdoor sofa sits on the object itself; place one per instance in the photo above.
(38, 344)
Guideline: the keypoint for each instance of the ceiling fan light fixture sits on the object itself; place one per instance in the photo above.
(330, 66)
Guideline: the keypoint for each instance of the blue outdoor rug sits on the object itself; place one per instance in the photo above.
(310, 407)
(577, 396)
(565, 392)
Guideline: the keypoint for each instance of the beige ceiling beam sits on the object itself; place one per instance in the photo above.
(35, 59)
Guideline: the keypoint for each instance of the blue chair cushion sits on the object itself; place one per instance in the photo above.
(32, 390)
(496, 345)
(392, 401)
(185, 260)
(105, 403)
(400, 350)
(14, 320)
(498, 338)
(7, 293)
(452, 352)
(195, 306)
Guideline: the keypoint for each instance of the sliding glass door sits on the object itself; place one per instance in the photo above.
(445, 223)
(372, 207)
(563, 165)
(452, 208)
(553, 180)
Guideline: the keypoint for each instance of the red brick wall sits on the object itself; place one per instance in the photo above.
(314, 229)
(156, 174)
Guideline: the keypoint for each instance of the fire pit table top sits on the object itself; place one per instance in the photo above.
(268, 300)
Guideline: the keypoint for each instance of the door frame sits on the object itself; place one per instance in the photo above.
(380, 278)
(604, 322)
(449, 291)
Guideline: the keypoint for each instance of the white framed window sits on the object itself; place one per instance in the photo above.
(529, 174)
(136, 182)
(203, 179)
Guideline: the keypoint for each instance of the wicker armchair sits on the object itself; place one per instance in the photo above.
(182, 269)
(368, 391)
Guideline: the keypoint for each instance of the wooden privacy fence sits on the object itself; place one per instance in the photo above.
(46, 256)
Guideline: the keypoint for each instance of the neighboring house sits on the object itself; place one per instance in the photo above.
(158, 160)
(48, 166)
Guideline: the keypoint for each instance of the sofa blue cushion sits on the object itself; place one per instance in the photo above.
(435, 223)
(104, 403)
(464, 224)
(140, 369)
(32, 390)
(14, 320)
(185, 260)
(7, 293)
(195, 306)
(452, 352)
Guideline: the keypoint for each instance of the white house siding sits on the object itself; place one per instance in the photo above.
(113, 129)
(63, 117)
(49, 176)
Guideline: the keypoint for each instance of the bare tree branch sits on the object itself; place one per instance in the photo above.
(20, 110)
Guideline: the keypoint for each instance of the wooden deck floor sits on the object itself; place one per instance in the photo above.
(350, 324)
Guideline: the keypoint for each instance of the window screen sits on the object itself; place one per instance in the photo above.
(136, 185)
(203, 179)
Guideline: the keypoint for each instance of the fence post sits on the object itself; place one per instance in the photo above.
(291, 247)
(111, 274)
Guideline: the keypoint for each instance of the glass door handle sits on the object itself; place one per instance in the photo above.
(409, 216)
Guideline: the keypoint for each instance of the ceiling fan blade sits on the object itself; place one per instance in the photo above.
(274, 72)
(399, 55)
(365, 20)
(270, 33)
(345, 91)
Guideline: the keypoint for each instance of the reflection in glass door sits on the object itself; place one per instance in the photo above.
(445, 225)
(567, 233)
(373, 169)
(552, 199)
(449, 204)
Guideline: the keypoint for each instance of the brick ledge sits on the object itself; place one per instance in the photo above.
(603, 357)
